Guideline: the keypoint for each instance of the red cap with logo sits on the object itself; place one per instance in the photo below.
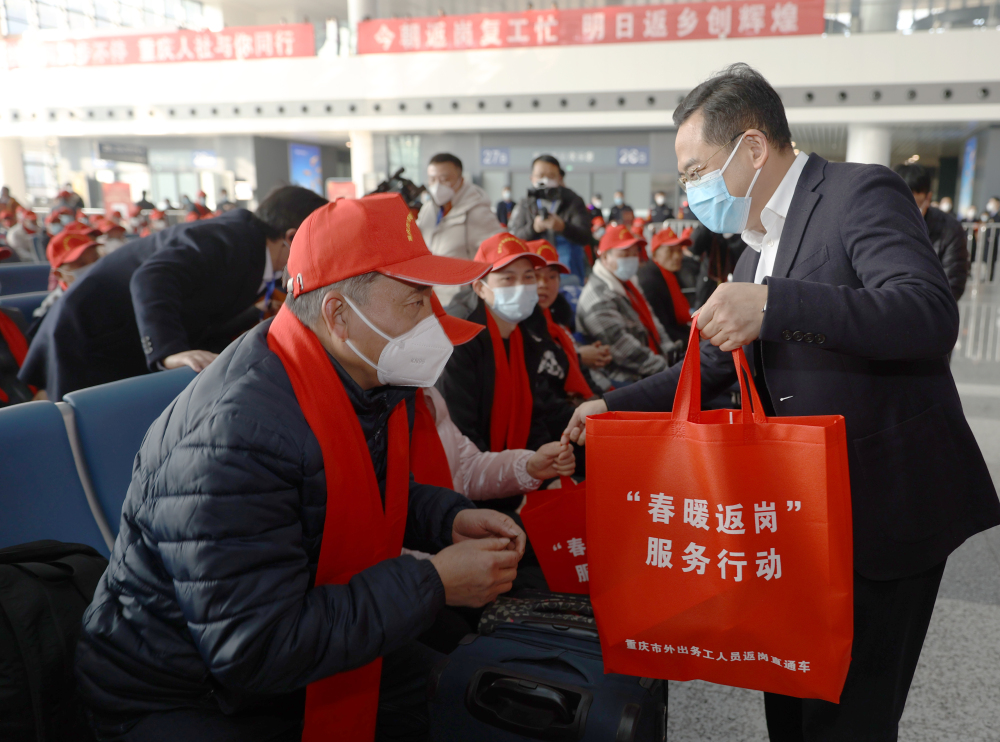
(349, 237)
(459, 331)
(668, 238)
(504, 248)
(67, 247)
(618, 238)
(81, 228)
(546, 250)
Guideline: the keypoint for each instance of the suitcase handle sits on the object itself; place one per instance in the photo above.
(508, 694)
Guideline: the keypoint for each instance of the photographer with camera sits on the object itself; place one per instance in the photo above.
(553, 212)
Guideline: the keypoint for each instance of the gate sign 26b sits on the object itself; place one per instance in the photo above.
(633, 156)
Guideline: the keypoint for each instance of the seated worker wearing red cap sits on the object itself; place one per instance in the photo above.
(490, 383)
(21, 237)
(660, 285)
(612, 310)
(256, 584)
(172, 299)
(441, 454)
(574, 361)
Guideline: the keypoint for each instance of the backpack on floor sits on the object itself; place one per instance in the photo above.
(45, 586)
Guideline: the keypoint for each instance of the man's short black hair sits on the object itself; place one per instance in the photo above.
(733, 101)
(916, 177)
(549, 159)
(442, 157)
(286, 207)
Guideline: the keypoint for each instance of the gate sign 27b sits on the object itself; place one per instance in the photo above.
(633, 156)
(496, 156)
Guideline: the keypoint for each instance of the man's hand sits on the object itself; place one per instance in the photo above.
(476, 523)
(196, 359)
(733, 314)
(475, 572)
(554, 459)
(594, 356)
(576, 431)
(552, 222)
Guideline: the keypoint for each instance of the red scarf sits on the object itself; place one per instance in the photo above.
(357, 534)
(641, 308)
(510, 417)
(428, 461)
(682, 308)
(15, 339)
(575, 381)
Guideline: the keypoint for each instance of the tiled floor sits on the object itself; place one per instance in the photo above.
(955, 695)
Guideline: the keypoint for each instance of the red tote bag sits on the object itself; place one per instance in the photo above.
(556, 522)
(721, 543)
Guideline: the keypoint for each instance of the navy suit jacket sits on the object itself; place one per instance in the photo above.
(151, 298)
(860, 320)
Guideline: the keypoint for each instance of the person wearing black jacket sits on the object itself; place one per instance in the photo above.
(553, 212)
(230, 588)
(947, 233)
(842, 308)
(171, 299)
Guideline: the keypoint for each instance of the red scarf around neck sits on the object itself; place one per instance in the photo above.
(428, 460)
(641, 308)
(510, 417)
(575, 381)
(15, 339)
(682, 308)
(357, 533)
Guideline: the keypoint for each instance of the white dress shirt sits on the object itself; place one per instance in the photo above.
(268, 272)
(772, 217)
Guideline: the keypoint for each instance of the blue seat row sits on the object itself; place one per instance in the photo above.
(65, 468)
(20, 278)
(27, 302)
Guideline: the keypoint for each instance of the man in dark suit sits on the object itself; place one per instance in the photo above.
(843, 309)
(172, 299)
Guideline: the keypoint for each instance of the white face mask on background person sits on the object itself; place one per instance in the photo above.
(626, 268)
(597, 203)
(544, 183)
(515, 303)
(72, 275)
(110, 245)
(415, 358)
(660, 200)
(442, 193)
(506, 195)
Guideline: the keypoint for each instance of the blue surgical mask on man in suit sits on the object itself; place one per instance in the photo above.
(714, 206)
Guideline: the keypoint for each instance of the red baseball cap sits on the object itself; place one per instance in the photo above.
(67, 246)
(5, 252)
(57, 212)
(545, 249)
(618, 238)
(670, 239)
(81, 228)
(504, 248)
(352, 236)
(459, 331)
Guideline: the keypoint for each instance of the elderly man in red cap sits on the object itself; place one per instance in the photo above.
(256, 588)
(612, 310)
(660, 283)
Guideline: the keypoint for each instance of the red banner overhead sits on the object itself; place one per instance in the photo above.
(250, 42)
(613, 24)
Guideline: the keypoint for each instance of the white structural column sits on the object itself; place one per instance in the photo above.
(879, 15)
(12, 168)
(362, 161)
(358, 10)
(869, 144)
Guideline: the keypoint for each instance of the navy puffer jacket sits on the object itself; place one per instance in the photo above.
(209, 599)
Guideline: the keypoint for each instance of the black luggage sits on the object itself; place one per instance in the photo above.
(535, 672)
(45, 586)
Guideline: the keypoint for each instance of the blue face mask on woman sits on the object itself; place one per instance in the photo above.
(714, 206)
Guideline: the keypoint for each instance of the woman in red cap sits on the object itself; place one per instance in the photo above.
(660, 284)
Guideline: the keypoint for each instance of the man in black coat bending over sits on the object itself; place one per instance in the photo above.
(843, 309)
(167, 300)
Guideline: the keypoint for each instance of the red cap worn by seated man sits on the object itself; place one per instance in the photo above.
(70, 253)
(342, 240)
